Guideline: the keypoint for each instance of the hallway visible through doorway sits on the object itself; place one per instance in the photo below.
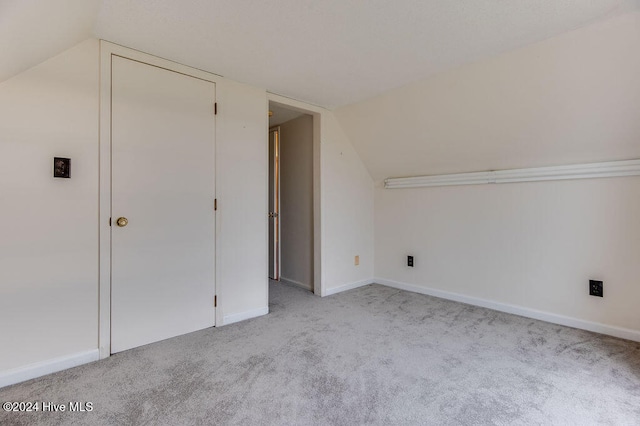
(291, 220)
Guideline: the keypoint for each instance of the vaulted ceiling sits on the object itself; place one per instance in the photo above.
(326, 52)
(32, 31)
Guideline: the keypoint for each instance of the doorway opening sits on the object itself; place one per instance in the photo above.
(291, 196)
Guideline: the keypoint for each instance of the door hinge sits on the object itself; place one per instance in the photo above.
(109, 221)
(215, 108)
(215, 301)
(215, 204)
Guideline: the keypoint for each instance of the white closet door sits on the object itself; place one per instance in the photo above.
(163, 184)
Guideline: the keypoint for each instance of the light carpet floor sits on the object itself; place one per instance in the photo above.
(374, 355)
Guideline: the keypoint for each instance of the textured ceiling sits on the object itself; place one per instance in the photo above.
(337, 52)
(326, 52)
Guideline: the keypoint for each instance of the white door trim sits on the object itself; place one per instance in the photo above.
(107, 50)
(316, 113)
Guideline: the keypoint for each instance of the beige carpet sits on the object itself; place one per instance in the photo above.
(373, 355)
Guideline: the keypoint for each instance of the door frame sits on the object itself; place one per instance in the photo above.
(316, 114)
(107, 51)
(277, 255)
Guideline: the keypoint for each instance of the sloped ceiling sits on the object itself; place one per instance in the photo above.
(32, 31)
(574, 98)
(329, 52)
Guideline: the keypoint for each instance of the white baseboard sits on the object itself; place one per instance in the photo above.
(623, 333)
(31, 371)
(296, 283)
(345, 287)
(230, 319)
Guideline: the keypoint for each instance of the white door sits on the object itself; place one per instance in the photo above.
(162, 261)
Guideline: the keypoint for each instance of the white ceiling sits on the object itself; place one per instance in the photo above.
(571, 99)
(281, 114)
(325, 52)
(32, 31)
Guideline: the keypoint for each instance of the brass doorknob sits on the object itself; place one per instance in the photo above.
(122, 222)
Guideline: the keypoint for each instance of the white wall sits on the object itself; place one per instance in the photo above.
(534, 245)
(48, 226)
(241, 189)
(296, 200)
(571, 99)
(347, 211)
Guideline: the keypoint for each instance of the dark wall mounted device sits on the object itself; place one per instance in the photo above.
(61, 167)
(595, 288)
(410, 261)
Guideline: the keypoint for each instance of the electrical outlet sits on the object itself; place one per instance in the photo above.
(410, 261)
(356, 261)
(596, 288)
